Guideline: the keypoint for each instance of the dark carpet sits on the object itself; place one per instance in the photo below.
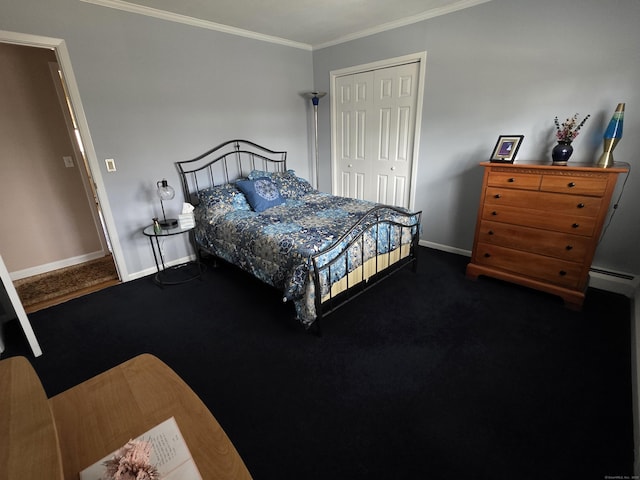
(428, 375)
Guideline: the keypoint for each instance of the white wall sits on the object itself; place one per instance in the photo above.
(509, 67)
(155, 92)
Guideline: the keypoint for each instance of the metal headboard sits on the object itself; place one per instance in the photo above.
(225, 163)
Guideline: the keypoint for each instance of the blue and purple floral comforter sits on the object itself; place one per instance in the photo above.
(276, 245)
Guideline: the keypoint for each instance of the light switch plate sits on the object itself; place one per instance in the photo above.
(111, 164)
(68, 162)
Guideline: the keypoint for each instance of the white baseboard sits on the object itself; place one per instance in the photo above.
(616, 282)
(445, 248)
(152, 270)
(48, 267)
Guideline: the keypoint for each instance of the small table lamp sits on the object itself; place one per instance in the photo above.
(166, 192)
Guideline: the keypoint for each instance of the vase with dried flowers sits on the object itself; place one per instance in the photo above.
(566, 132)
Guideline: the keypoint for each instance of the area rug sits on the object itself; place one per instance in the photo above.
(65, 281)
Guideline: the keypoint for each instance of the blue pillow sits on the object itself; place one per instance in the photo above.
(289, 185)
(261, 193)
(227, 195)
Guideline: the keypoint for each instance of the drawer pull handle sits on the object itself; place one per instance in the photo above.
(497, 195)
(571, 184)
(487, 255)
(575, 225)
(562, 273)
(494, 213)
(511, 180)
(581, 205)
(569, 247)
(490, 232)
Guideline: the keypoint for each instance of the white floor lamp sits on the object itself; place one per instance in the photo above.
(315, 98)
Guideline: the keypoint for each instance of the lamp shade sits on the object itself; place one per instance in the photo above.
(165, 191)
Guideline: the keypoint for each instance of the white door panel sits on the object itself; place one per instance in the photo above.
(354, 168)
(360, 184)
(376, 114)
(344, 184)
(381, 194)
(400, 191)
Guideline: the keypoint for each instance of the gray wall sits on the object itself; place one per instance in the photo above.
(509, 67)
(155, 92)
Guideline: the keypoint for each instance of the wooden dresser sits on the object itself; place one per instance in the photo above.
(539, 225)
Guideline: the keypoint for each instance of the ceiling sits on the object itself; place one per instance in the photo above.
(303, 23)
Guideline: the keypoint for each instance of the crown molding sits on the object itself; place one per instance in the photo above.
(194, 22)
(435, 12)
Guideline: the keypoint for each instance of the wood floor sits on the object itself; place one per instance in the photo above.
(58, 286)
(69, 296)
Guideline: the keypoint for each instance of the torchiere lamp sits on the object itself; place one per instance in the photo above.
(315, 98)
(166, 192)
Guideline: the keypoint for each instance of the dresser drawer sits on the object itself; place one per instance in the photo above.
(550, 202)
(544, 242)
(593, 186)
(526, 217)
(547, 269)
(514, 180)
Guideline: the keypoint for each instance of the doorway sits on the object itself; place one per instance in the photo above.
(79, 156)
(376, 112)
(72, 188)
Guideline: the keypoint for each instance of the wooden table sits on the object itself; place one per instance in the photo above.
(28, 444)
(100, 415)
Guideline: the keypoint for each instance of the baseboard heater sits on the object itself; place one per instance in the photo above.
(613, 274)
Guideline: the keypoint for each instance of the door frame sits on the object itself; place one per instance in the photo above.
(78, 155)
(421, 58)
(64, 61)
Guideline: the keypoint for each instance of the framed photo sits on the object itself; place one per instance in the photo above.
(506, 148)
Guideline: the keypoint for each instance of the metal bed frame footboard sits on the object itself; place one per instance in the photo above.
(225, 163)
(235, 159)
(370, 223)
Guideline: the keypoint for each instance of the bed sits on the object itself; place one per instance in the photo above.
(318, 249)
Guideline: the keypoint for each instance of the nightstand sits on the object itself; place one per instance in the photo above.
(174, 274)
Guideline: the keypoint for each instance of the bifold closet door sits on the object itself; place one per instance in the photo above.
(375, 126)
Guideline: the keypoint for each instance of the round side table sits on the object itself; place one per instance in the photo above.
(174, 274)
